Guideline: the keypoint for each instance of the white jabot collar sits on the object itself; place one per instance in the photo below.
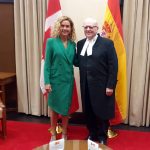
(88, 46)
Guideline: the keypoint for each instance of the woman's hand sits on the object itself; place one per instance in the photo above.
(48, 88)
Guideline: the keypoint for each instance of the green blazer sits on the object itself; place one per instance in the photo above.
(58, 71)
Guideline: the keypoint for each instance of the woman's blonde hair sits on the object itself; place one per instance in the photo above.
(55, 30)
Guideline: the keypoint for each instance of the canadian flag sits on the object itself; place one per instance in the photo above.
(53, 13)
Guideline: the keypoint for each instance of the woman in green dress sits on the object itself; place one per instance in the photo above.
(58, 72)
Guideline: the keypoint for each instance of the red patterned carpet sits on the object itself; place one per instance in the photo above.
(26, 136)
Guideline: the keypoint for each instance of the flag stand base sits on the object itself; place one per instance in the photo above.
(58, 128)
(111, 133)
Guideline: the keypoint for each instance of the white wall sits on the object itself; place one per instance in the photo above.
(78, 10)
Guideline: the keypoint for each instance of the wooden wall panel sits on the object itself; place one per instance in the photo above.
(7, 38)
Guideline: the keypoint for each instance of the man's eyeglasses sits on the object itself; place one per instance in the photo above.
(90, 27)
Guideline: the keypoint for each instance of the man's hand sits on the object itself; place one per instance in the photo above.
(48, 88)
(109, 91)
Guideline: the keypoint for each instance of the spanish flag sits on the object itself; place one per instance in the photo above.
(112, 28)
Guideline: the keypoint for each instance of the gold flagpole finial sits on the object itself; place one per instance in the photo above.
(111, 133)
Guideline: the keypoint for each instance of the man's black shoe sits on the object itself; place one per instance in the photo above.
(104, 142)
(92, 138)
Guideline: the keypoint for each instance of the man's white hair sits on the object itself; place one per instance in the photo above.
(90, 21)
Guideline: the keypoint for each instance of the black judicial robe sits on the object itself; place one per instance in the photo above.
(100, 72)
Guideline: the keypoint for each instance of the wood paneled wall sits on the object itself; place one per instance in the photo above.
(7, 38)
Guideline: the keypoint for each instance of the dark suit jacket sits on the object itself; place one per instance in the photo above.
(100, 71)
